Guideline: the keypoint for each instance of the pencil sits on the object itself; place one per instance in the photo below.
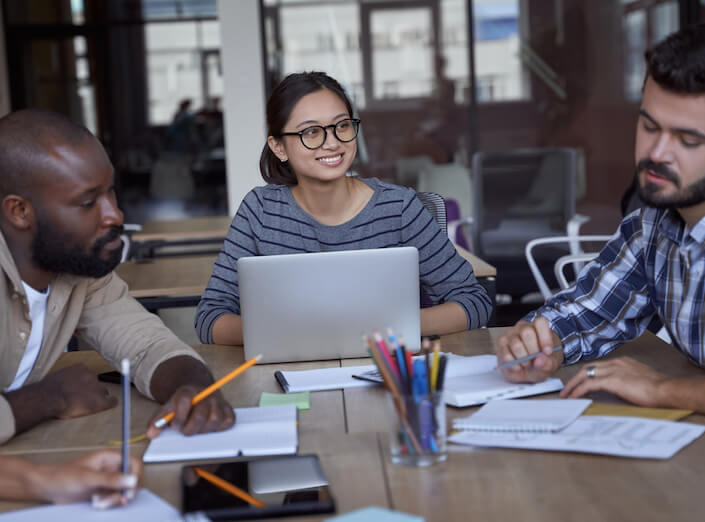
(228, 487)
(434, 364)
(397, 399)
(526, 358)
(125, 369)
(210, 389)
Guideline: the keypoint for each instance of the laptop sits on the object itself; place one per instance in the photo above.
(304, 307)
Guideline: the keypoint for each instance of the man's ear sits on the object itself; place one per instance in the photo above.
(277, 147)
(17, 211)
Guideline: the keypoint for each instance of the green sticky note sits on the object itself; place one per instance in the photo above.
(301, 399)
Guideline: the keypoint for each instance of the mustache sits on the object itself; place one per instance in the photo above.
(659, 168)
(112, 234)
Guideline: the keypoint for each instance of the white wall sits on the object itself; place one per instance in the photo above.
(243, 100)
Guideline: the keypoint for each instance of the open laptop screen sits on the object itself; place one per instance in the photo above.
(298, 307)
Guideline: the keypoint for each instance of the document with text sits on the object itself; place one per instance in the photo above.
(619, 436)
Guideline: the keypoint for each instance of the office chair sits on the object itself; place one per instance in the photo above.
(436, 205)
(576, 258)
(519, 195)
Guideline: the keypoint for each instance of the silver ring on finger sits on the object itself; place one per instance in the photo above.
(591, 371)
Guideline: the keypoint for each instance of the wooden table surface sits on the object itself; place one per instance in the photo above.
(189, 275)
(167, 276)
(184, 229)
(346, 429)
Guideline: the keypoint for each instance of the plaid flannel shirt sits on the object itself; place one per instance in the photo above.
(653, 265)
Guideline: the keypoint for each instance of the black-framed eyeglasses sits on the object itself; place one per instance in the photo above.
(315, 136)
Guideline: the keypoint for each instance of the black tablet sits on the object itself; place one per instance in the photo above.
(274, 487)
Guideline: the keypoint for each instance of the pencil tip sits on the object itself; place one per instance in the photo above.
(258, 357)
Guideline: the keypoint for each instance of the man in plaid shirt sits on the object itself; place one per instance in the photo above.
(654, 265)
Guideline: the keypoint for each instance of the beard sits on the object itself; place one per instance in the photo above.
(689, 196)
(56, 252)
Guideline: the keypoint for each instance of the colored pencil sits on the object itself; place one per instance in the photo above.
(228, 487)
(210, 389)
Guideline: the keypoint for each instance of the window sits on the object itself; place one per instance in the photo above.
(183, 62)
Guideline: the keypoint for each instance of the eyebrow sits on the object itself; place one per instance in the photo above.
(314, 122)
(691, 132)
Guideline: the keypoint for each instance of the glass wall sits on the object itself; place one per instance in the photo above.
(145, 77)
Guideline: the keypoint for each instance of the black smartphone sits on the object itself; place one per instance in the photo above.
(285, 486)
(114, 377)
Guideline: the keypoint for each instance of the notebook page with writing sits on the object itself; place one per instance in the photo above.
(524, 415)
(619, 436)
(269, 430)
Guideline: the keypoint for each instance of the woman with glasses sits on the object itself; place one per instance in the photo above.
(311, 204)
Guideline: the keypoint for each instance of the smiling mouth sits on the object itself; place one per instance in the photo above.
(331, 160)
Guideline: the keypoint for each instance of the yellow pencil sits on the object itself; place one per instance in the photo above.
(434, 365)
(210, 389)
(228, 487)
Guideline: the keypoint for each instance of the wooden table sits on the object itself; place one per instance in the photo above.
(486, 275)
(343, 428)
(163, 282)
(179, 232)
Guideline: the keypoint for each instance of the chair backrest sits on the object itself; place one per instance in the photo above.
(436, 205)
(450, 180)
(577, 259)
(521, 194)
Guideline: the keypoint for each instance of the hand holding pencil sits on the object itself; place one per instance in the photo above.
(193, 410)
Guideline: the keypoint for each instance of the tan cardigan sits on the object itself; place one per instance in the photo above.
(99, 311)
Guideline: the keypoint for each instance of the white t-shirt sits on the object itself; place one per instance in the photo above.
(37, 310)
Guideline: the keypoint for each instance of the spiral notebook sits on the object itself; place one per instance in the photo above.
(524, 415)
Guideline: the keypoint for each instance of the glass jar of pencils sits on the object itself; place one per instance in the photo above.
(418, 436)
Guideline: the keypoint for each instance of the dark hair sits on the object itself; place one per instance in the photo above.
(677, 63)
(26, 139)
(279, 106)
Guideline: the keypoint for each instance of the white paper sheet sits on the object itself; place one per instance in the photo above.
(325, 379)
(524, 415)
(269, 430)
(620, 436)
(145, 506)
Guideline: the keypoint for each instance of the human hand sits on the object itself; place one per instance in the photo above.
(97, 477)
(523, 339)
(629, 379)
(211, 414)
(77, 392)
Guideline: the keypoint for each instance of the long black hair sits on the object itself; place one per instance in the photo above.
(279, 106)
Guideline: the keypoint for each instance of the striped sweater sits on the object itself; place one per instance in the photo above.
(270, 221)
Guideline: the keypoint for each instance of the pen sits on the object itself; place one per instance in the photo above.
(210, 389)
(228, 487)
(125, 370)
(526, 358)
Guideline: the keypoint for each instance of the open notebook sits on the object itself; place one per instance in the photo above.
(524, 415)
(269, 430)
(474, 380)
(469, 380)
